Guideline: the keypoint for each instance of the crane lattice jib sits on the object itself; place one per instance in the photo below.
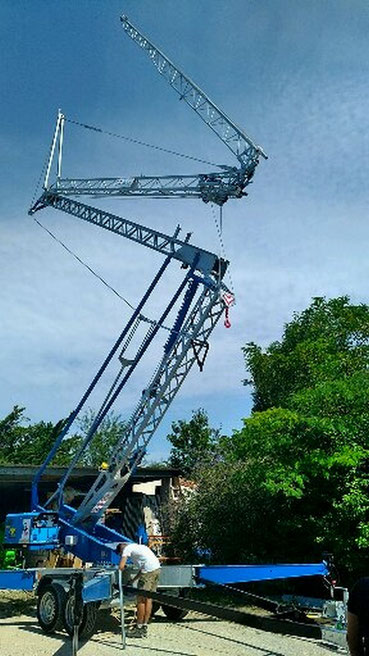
(214, 187)
(241, 145)
(206, 262)
(155, 401)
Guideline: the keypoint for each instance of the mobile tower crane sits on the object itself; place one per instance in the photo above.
(216, 187)
(200, 301)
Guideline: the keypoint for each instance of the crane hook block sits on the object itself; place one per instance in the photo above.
(228, 300)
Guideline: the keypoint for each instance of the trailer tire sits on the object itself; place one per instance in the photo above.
(89, 616)
(174, 614)
(50, 607)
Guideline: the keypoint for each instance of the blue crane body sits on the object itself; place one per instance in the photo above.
(198, 304)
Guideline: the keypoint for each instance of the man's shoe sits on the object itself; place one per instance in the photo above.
(137, 632)
(144, 631)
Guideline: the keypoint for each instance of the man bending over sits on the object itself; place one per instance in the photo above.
(147, 577)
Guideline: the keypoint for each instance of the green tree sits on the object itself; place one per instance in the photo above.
(24, 443)
(193, 442)
(318, 375)
(10, 429)
(28, 444)
(294, 480)
(327, 341)
(108, 433)
(226, 515)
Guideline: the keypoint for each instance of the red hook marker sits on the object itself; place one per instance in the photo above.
(228, 300)
(227, 322)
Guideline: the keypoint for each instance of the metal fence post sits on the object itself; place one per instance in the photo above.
(121, 604)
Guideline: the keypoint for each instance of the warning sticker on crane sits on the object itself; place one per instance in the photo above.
(228, 299)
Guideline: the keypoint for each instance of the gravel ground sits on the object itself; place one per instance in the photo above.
(196, 635)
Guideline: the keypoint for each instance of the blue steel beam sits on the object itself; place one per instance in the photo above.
(17, 579)
(226, 574)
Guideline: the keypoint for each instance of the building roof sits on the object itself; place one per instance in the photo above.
(26, 473)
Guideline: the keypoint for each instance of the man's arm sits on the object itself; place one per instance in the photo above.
(122, 563)
(353, 637)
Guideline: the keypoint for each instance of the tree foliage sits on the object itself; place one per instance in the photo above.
(294, 481)
(28, 444)
(327, 341)
(193, 442)
(100, 447)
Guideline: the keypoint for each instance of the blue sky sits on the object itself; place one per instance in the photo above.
(292, 73)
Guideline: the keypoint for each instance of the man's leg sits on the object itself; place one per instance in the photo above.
(141, 610)
(148, 609)
(147, 581)
(138, 631)
(152, 579)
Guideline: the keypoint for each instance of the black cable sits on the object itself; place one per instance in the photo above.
(222, 252)
(141, 143)
(84, 264)
(142, 316)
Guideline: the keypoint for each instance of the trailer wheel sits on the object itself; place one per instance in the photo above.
(174, 614)
(50, 607)
(88, 622)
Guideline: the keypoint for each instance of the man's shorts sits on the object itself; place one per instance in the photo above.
(149, 580)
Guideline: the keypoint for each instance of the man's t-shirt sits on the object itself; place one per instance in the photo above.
(358, 604)
(142, 557)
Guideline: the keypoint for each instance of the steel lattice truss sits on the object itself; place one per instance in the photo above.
(155, 401)
(180, 355)
(210, 187)
(237, 141)
(205, 296)
(217, 187)
(186, 253)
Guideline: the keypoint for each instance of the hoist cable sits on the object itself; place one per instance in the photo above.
(219, 228)
(85, 265)
(141, 143)
(153, 322)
